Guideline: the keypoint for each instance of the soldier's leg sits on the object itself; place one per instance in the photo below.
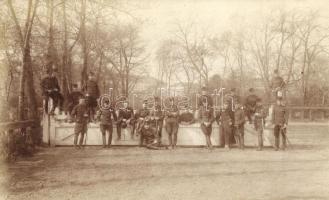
(103, 131)
(237, 136)
(110, 136)
(119, 131)
(260, 139)
(221, 136)
(46, 101)
(175, 132)
(77, 130)
(284, 138)
(52, 95)
(204, 131)
(227, 133)
(169, 132)
(133, 127)
(76, 135)
(277, 135)
(241, 136)
(61, 101)
(82, 134)
(209, 130)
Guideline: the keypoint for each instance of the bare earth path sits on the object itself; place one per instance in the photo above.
(301, 172)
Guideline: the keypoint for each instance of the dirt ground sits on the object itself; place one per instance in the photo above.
(301, 172)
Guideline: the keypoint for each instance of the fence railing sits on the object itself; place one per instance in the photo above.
(308, 113)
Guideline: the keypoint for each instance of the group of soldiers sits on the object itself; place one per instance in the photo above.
(148, 123)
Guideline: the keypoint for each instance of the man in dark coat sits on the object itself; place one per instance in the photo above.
(107, 116)
(206, 116)
(250, 104)
(125, 118)
(260, 116)
(50, 89)
(148, 136)
(92, 93)
(239, 120)
(141, 115)
(171, 124)
(158, 116)
(280, 121)
(225, 120)
(277, 86)
(81, 115)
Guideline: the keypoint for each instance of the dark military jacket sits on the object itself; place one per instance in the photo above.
(207, 98)
(239, 117)
(172, 112)
(280, 115)
(148, 135)
(143, 113)
(157, 113)
(260, 115)
(49, 83)
(206, 114)
(105, 116)
(225, 117)
(250, 101)
(81, 113)
(91, 88)
(126, 113)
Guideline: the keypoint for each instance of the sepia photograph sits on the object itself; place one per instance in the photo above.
(164, 99)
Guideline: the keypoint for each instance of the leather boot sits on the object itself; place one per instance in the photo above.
(82, 136)
(109, 140)
(75, 141)
(284, 142)
(241, 142)
(104, 140)
(237, 140)
(277, 143)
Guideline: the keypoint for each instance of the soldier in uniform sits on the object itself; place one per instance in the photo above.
(106, 115)
(148, 135)
(250, 104)
(92, 92)
(205, 97)
(259, 122)
(277, 84)
(226, 121)
(141, 115)
(280, 121)
(50, 89)
(239, 120)
(125, 118)
(206, 116)
(81, 115)
(171, 124)
(73, 98)
(158, 116)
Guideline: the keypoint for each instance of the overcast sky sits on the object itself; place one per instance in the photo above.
(214, 16)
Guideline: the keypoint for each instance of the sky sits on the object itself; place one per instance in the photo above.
(159, 17)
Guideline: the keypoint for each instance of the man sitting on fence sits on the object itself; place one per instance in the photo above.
(50, 89)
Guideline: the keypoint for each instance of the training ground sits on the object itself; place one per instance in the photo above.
(300, 172)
